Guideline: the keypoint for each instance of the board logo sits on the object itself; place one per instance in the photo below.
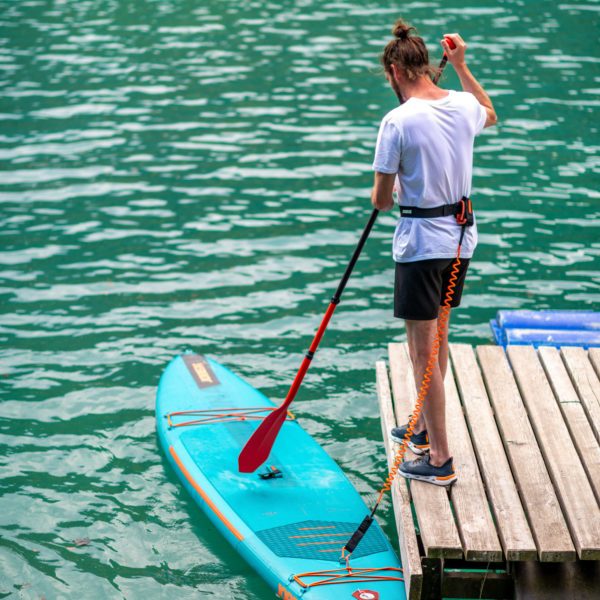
(200, 370)
(366, 595)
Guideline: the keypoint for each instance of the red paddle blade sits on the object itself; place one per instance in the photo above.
(258, 447)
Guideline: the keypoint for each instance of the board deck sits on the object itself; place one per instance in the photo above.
(283, 526)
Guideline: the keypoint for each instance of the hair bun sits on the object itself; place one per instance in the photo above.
(402, 30)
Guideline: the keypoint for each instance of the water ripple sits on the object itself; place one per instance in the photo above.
(181, 176)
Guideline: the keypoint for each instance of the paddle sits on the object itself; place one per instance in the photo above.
(258, 447)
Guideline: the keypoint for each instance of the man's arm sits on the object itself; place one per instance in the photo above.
(456, 57)
(381, 196)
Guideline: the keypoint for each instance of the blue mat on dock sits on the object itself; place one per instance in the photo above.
(547, 328)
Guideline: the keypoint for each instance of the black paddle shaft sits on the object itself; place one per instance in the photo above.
(443, 62)
(357, 251)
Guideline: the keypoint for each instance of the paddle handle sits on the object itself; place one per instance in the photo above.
(335, 300)
(444, 59)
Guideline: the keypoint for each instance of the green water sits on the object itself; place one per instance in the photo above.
(195, 175)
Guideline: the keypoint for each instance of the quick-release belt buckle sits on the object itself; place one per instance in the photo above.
(464, 212)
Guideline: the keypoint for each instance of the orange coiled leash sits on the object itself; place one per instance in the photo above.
(443, 318)
(463, 212)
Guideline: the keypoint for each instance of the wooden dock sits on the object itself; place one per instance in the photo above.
(524, 514)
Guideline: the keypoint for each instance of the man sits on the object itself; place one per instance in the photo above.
(425, 152)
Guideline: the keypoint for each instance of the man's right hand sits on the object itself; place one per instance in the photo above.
(456, 55)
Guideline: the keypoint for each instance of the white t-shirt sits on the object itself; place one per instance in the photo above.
(428, 144)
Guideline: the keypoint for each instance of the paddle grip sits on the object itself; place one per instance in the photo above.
(358, 534)
(450, 42)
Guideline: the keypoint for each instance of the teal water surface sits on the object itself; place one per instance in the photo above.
(178, 175)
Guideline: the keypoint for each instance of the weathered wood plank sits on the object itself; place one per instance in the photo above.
(539, 499)
(586, 383)
(594, 354)
(439, 534)
(475, 523)
(511, 521)
(574, 491)
(409, 548)
(574, 415)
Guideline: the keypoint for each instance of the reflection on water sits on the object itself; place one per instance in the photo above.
(177, 176)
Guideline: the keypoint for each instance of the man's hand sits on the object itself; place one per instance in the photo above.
(456, 55)
(381, 196)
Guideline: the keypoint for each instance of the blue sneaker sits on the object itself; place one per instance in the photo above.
(418, 442)
(423, 471)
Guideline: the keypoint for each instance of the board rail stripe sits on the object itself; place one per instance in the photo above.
(204, 496)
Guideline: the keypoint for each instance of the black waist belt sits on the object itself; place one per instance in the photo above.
(462, 210)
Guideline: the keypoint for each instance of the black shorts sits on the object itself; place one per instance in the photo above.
(421, 286)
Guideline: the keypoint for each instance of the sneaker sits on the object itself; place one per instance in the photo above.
(418, 442)
(423, 471)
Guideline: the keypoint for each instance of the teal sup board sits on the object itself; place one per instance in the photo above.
(290, 520)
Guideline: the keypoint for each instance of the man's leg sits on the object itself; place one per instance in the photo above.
(442, 362)
(443, 355)
(420, 425)
(421, 335)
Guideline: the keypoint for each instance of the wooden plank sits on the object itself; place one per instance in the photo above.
(586, 383)
(409, 547)
(511, 521)
(574, 491)
(475, 523)
(573, 413)
(594, 354)
(439, 534)
(539, 499)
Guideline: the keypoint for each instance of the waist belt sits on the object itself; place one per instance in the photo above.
(462, 210)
